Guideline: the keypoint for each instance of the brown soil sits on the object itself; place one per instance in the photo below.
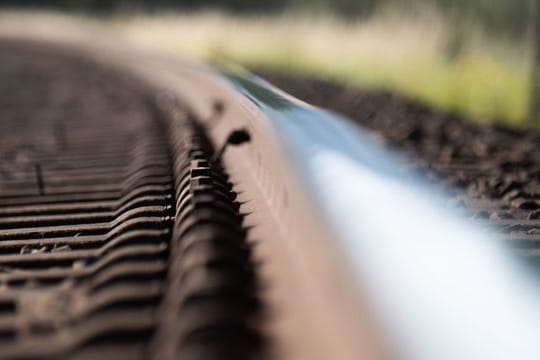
(494, 169)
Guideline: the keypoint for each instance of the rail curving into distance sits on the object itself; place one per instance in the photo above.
(356, 260)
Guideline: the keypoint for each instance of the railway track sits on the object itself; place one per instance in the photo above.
(131, 226)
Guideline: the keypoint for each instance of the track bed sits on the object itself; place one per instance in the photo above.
(489, 170)
(118, 237)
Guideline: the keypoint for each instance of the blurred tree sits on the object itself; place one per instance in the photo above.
(344, 8)
(497, 14)
(507, 15)
(534, 98)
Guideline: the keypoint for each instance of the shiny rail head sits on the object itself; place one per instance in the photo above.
(439, 286)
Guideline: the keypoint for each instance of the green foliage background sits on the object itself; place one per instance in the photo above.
(506, 14)
(467, 56)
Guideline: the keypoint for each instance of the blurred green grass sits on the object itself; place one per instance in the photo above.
(486, 78)
(474, 85)
(423, 55)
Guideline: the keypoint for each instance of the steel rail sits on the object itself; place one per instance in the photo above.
(438, 286)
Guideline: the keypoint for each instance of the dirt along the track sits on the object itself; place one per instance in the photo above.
(491, 172)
